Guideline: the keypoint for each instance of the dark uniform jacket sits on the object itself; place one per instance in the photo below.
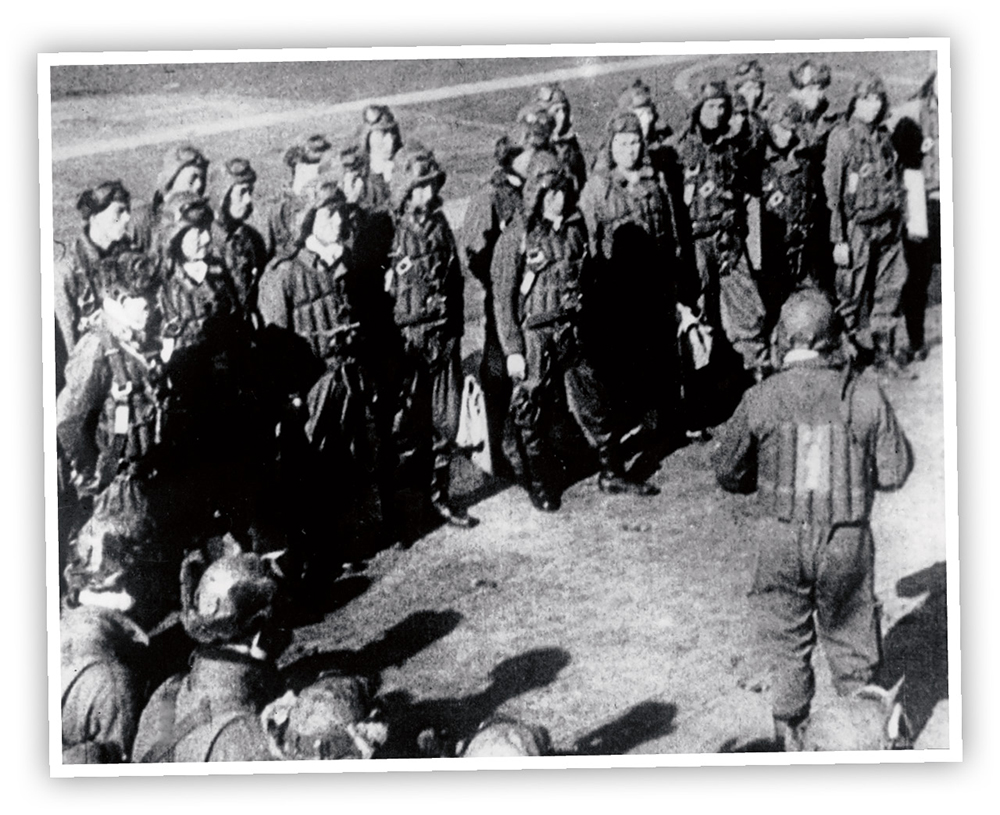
(102, 692)
(609, 202)
(193, 311)
(570, 155)
(425, 281)
(492, 208)
(713, 185)
(301, 293)
(789, 192)
(209, 714)
(110, 413)
(244, 256)
(538, 278)
(76, 297)
(861, 177)
(814, 447)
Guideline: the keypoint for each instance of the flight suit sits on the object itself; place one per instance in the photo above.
(865, 194)
(539, 277)
(714, 194)
(427, 289)
(815, 446)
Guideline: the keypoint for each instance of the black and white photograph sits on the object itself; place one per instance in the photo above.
(499, 407)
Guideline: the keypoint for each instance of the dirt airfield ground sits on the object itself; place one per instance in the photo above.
(620, 624)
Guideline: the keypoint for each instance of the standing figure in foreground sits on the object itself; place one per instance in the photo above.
(211, 713)
(865, 194)
(539, 273)
(427, 289)
(815, 442)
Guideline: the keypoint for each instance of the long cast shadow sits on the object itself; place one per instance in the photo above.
(917, 646)
(642, 723)
(397, 644)
(455, 720)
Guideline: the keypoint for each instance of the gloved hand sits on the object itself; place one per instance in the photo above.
(842, 254)
(516, 367)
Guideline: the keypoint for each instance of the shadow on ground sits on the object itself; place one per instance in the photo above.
(455, 720)
(645, 722)
(403, 641)
(917, 646)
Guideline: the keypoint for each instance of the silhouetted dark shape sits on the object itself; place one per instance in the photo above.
(644, 722)
(917, 646)
(455, 720)
(404, 640)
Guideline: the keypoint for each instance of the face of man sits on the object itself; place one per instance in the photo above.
(354, 186)
(560, 115)
(421, 198)
(328, 228)
(645, 115)
(380, 145)
(867, 108)
(553, 205)
(195, 243)
(711, 113)
(625, 150)
(136, 311)
(303, 174)
(109, 225)
(753, 92)
(781, 135)
(240, 201)
(810, 96)
(189, 179)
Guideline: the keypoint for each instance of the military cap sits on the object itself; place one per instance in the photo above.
(809, 73)
(309, 151)
(748, 71)
(240, 171)
(624, 121)
(544, 172)
(808, 320)
(714, 89)
(116, 545)
(352, 159)
(101, 197)
(379, 117)
(869, 84)
(505, 151)
(321, 192)
(227, 600)
(537, 124)
(175, 160)
(501, 737)
(415, 165)
(785, 112)
(636, 95)
(552, 95)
